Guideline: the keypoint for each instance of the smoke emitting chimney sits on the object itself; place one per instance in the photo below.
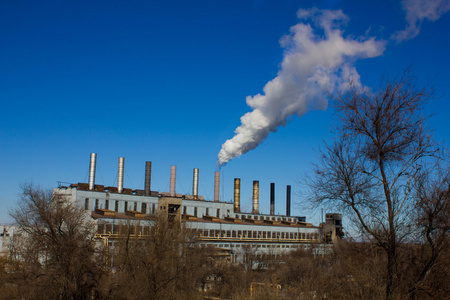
(148, 177)
(237, 195)
(92, 167)
(216, 186)
(120, 175)
(173, 175)
(288, 200)
(195, 185)
(272, 198)
(255, 197)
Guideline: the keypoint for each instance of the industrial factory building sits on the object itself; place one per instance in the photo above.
(219, 224)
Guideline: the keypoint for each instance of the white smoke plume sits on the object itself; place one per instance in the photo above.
(313, 65)
(416, 12)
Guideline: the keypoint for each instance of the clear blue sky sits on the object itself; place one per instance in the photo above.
(167, 81)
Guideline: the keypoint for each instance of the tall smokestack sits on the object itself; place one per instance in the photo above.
(195, 185)
(120, 175)
(237, 195)
(148, 177)
(255, 197)
(173, 175)
(92, 167)
(288, 200)
(272, 198)
(216, 186)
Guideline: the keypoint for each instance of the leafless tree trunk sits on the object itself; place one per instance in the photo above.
(370, 169)
(432, 192)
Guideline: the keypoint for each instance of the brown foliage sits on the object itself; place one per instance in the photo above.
(165, 264)
(54, 257)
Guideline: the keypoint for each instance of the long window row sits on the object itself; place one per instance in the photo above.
(259, 234)
(268, 218)
(255, 246)
(123, 229)
(212, 212)
(146, 208)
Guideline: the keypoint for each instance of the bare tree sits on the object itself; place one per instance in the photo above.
(432, 193)
(370, 169)
(55, 256)
(164, 263)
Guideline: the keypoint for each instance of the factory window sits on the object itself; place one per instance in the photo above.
(86, 203)
(273, 218)
(135, 206)
(207, 211)
(96, 203)
(242, 217)
(239, 233)
(259, 234)
(264, 234)
(228, 233)
(228, 212)
(195, 211)
(234, 233)
(100, 228)
(184, 210)
(144, 208)
(153, 208)
(125, 206)
(108, 228)
(205, 232)
(115, 229)
(117, 206)
(218, 213)
(106, 204)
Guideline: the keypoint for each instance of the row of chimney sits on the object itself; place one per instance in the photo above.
(173, 171)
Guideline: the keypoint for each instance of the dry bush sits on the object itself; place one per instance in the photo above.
(55, 256)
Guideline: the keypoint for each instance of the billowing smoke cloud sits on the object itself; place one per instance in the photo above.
(313, 65)
(416, 12)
